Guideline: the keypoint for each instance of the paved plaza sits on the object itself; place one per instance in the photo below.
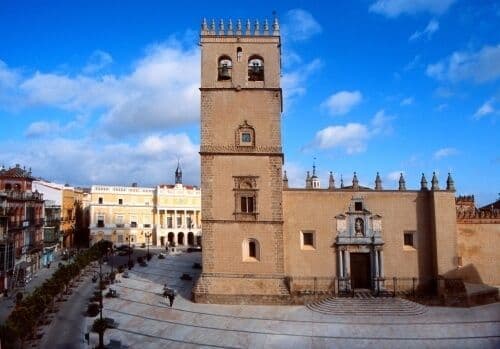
(146, 321)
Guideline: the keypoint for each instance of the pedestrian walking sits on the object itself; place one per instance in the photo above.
(171, 297)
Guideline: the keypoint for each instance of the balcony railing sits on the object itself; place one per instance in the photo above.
(120, 225)
(23, 195)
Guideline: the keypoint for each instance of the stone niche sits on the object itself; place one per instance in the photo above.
(359, 226)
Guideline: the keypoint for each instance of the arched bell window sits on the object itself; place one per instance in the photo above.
(225, 66)
(255, 69)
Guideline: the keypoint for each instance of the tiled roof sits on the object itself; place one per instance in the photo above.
(16, 172)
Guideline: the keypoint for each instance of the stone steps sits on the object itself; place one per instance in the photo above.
(367, 306)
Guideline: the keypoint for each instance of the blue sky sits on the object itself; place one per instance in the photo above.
(107, 92)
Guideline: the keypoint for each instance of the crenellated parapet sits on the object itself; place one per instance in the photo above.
(237, 28)
(479, 216)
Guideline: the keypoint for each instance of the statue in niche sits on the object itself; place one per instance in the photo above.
(359, 227)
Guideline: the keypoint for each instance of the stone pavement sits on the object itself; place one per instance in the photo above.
(146, 321)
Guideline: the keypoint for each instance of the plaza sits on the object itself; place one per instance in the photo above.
(144, 319)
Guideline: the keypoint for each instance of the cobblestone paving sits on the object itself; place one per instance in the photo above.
(145, 320)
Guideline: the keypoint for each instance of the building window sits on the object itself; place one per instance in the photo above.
(247, 204)
(179, 222)
(100, 200)
(169, 222)
(119, 222)
(255, 69)
(409, 240)
(245, 194)
(308, 240)
(100, 221)
(251, 250)
(225, 66)
(120, 201)
(245, 135)
(358, 206)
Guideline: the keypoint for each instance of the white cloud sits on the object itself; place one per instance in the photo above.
(352, 137)
(294, 82)
(381, 123)
(342, 102)
(480, 66)
(407, 101)
(394, 8)
(54, 128)
(485, 109)
(429, 30)
(394, 175)
(296, 174)
(166, 76)
(84, 161)
(98, 60)
(412, 64)
(444, 152)
(442, 107)
(299, 25)
(38, 128)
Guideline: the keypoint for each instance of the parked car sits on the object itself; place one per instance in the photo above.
(125, 274)
(110, 323)
(143, 264)
(112, 293)
(161, 255)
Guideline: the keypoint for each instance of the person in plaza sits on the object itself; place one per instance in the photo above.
(171, 297)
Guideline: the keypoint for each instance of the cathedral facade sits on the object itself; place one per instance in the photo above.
(264, 241)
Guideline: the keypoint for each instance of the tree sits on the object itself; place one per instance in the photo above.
(100, 327)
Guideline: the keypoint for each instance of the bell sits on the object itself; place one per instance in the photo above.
(224, 73)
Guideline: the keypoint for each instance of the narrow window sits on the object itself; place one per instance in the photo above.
(408, 239)
(358, 206)
(100, 200)
(239, 53)
(120, 201)
(252, 249)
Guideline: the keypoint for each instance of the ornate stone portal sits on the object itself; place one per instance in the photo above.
(359, 247)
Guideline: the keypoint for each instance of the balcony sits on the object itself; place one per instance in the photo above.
(120, 225)
(100, 225)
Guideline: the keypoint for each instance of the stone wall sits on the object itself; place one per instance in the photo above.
(479, 251)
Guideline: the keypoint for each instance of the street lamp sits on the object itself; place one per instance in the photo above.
(129, 254)
(147, 235)
(110, 252)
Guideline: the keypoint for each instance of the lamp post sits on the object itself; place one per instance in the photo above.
(129, 254)
(147, 235)
(100, 288)
(110, 252)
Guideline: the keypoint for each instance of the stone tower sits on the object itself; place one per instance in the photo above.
(241, 164)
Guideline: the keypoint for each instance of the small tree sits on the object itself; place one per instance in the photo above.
(100, 326)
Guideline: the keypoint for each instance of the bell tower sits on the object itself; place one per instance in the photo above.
(241, 163)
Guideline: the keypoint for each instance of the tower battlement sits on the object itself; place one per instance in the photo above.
(238, 29)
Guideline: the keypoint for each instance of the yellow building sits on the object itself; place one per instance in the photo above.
(155, 216)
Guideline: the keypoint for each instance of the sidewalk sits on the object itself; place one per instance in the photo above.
(7, 304)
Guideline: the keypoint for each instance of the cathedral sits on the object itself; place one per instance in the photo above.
(263, 241)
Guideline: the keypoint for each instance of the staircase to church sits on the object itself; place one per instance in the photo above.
(365, 304)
